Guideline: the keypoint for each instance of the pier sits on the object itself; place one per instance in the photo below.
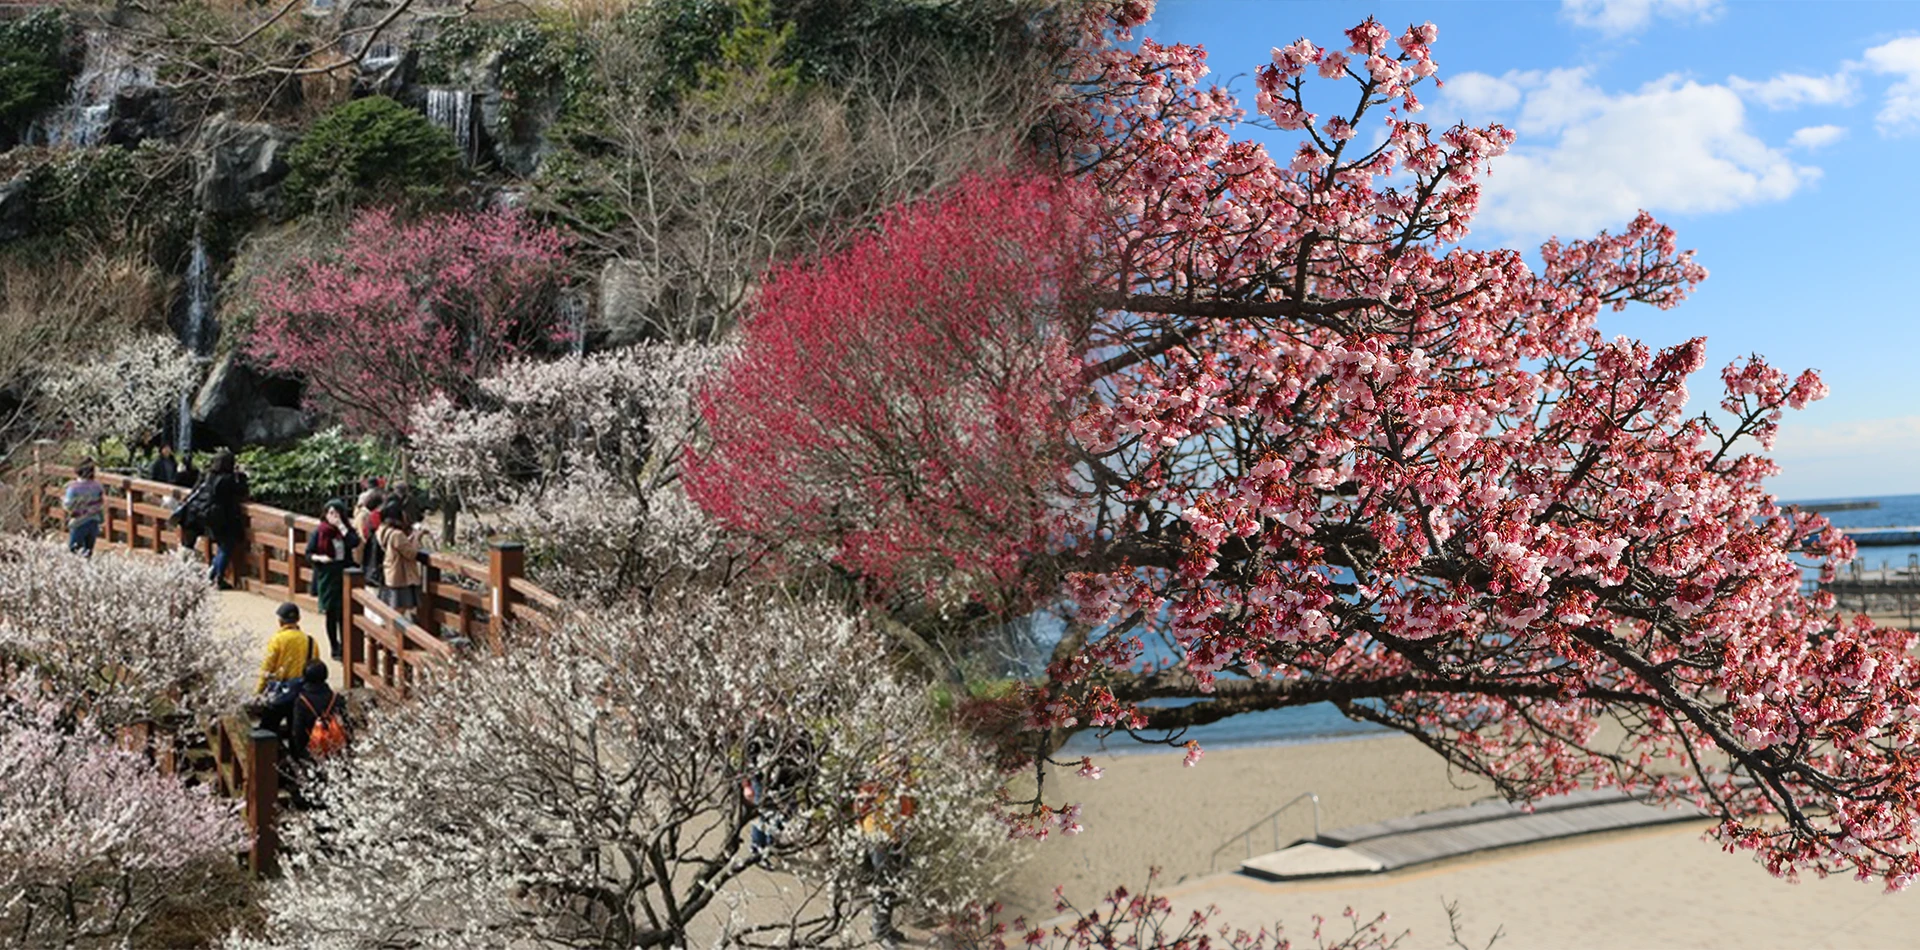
(1886, 589)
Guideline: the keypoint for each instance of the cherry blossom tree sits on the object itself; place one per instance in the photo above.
(1325, 453)
(581, 458)
(403, 311)
(95, 844)
(586, 789)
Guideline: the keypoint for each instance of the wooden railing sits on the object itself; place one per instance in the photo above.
(463, 603)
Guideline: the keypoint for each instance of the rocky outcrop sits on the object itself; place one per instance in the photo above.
(241, 166)
(240, 406)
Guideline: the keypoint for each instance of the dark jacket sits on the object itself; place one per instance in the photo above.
(226, 513)
(322, 542)
(164, 469)
(308, 707)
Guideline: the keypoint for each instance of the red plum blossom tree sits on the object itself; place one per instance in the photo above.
(1322, 452)
(903, 402)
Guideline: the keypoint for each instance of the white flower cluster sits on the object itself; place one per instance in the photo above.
(580, 458)
(119, 394)
(591, 788)
(119, 638)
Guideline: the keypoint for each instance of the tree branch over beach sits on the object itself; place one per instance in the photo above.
(1313, 449)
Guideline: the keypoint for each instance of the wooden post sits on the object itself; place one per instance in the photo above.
(351, 644)
(36, 501)
(427, 612)
(506, 562)
(293, 564)
(263, 792)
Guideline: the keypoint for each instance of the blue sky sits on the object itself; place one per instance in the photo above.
(1778, 138)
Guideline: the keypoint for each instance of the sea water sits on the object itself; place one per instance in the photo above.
(1322, 722)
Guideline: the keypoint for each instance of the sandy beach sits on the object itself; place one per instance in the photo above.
(1655, 888)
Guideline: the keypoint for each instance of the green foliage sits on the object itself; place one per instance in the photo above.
(32, 72)
(372, 149)
(302, 476)
(111, 195)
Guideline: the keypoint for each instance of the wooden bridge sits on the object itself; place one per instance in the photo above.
(464, 604)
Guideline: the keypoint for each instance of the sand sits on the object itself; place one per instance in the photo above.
(1663, 887)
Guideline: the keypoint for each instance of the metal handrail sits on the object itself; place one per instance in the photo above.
(1213, 860)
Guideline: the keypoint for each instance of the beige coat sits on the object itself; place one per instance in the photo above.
(402, 552)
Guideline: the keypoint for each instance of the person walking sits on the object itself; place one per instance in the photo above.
(86, 503)
(883, 806)
(331, 549)
(283, 670)
(226, 514)
(315, 703)
(400, 548)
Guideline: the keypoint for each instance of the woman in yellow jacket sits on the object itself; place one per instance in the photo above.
(288, 652)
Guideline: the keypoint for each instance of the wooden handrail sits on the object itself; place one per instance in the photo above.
(461, 598)
(384, 650)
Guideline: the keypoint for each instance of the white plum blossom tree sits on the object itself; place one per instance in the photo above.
(120, 638)
(581, 459)
(587, 789)
(118, 394)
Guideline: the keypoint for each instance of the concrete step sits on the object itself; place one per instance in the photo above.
(1433, 836)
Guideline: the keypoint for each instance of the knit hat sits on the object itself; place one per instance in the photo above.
(288, 613)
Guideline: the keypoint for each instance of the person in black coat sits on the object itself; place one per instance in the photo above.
(226, 513)
(165, 468)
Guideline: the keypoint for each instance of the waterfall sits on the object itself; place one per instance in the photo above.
(199, 329)
(452, 109)
(573, 309)
(380, 55)
(82, 120)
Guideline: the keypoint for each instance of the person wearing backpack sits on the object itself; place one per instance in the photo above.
(366, 520)
(319, 717)
(283, 670)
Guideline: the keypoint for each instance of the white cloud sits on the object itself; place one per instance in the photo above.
(1479, 94)
(1900, 112)
(1587, 159)
(1789, 90)
(1626, 16)
(1848, 460)
(1817, 136)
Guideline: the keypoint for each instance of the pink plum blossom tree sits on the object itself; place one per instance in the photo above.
(94, 843)
(403, 311)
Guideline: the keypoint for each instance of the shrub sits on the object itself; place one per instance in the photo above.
(302, 476)
(372, 149)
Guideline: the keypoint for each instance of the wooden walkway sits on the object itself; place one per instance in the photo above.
(464, 604)
(1454, 832)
